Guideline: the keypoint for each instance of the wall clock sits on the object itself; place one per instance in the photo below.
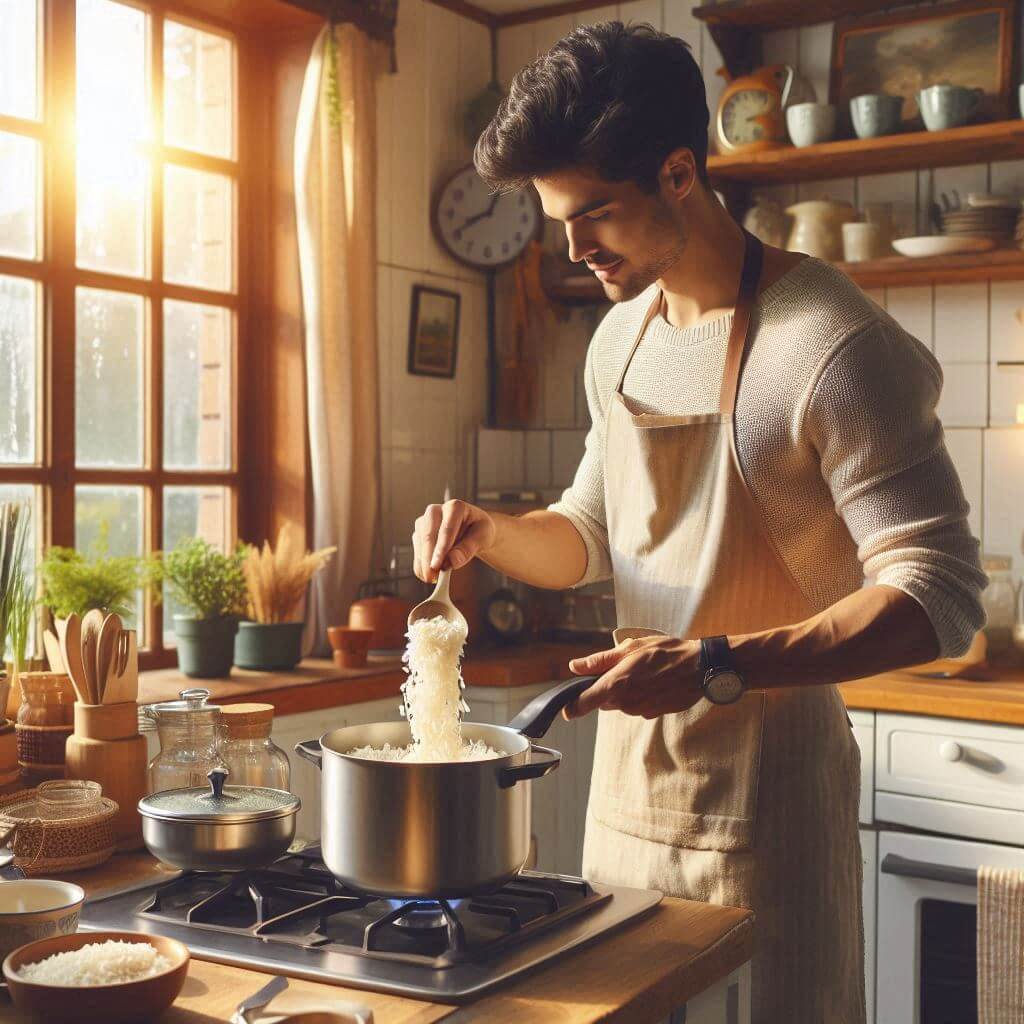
(482, 230)
(751, 110)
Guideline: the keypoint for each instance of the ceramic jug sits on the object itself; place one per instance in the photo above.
(818, 226)
(767, 221)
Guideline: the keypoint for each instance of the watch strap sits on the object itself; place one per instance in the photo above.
(714, 653)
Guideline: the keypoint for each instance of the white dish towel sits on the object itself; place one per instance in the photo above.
(1000, 945)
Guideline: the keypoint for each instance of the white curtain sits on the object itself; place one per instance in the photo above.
(335, 198)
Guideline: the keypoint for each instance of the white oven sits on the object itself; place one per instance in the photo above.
(955, 790)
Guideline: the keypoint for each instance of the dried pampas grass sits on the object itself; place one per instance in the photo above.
(277, 579)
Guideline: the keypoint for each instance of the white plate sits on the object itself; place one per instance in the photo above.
(941, 245)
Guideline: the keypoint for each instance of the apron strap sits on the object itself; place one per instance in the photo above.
(652, 311)
(750, 277)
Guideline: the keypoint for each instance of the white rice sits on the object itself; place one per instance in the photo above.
(98, 963)
(432, 700)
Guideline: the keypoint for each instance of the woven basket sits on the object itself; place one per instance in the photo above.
(47, 847)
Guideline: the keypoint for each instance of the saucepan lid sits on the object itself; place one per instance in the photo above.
(219, 803)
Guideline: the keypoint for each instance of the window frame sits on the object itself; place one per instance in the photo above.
(54, 476)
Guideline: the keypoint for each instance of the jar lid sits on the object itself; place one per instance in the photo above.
(247, 720)
(219, 803)
(190, 702)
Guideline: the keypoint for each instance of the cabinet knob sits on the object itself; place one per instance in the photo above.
(950, 750)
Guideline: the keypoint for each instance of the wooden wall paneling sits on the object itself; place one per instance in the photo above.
(385, 341)
(406, 389)
(515, 48)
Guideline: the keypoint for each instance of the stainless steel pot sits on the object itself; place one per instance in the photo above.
(222, 828)
(449, 829)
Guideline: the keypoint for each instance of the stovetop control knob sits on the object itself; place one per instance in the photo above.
(951, 751)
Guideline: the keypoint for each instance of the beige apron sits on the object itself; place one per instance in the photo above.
(752, 804)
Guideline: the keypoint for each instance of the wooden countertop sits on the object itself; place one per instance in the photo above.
(319, 684)
(639, 972)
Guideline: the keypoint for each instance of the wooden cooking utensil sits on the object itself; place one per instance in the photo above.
(53, 653)
(92, 623)
(123, 680)
(71, 647)
(106, 649)
(440, 604)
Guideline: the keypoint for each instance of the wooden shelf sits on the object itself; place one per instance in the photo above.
(978, 143)
(778, 14)
(892, 272)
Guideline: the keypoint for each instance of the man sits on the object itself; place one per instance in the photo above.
(763, 441)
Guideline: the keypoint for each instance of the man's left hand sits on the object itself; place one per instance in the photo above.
(649, 677)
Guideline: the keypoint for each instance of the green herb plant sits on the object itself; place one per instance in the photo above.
(208, 583)
(76, 582)
(17, 598)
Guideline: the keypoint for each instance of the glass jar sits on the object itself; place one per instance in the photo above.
(252, 757)
(1000, 603)
(190, 734)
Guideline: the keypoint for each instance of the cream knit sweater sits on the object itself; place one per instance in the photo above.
(836, 433)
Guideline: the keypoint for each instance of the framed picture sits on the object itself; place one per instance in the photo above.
(967, 43)
(433, 332)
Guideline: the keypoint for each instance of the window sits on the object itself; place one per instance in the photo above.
(119, 292)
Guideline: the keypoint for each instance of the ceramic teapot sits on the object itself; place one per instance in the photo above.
(818, 227)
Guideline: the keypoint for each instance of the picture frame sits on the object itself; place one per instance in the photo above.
(967, 42)
(433, 332)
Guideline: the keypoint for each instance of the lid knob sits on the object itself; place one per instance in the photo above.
(195, 697)
(217, 777)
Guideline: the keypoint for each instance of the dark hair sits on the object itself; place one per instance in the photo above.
(615, 98)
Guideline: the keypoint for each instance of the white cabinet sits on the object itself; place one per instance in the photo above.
(869, 859)
(864, 734)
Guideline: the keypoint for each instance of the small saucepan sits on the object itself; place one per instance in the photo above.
(433, 829)
(223, 828)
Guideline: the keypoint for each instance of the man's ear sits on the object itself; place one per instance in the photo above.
(678, 173)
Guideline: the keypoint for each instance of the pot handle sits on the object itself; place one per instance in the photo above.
(311, 751)
(508, 777)
(536, 718)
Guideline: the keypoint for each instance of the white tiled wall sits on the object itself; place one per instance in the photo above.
(971, 328)
(426, 424)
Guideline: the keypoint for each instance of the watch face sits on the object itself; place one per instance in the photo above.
(724, 687)
(739, 121)
(482, 229)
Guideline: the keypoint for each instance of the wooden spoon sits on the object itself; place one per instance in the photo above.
(440, 604)
(92, 623)
(71, 648)
(53, 653)
(106, 648)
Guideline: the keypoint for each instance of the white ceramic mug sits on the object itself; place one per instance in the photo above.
(863, 242)
(810, 123)
(36, 908)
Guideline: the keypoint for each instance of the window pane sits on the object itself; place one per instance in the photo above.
(113, 205)
(197, 386)
(109, 356)
(198, 90)
(19, 49)
(109, 520)
(25, 493)
(198, 228)
(110, 54)
(192, 512)
(19, 196)
(19, 353)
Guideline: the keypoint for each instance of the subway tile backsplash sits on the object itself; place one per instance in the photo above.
(541, 460)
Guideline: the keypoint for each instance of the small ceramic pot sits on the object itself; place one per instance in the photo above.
(816, 227)
(875, 113)
(862, 242)
(351, 645)
(947, 106)
(268, 646)
(206, 647)
(36, 908)
(766, 220)
(810, 123)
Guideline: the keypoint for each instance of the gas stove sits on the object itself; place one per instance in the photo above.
(294, 918)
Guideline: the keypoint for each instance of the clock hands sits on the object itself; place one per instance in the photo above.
(481, 216)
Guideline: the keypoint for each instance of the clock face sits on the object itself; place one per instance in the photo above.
(739, 118)
(482, 229)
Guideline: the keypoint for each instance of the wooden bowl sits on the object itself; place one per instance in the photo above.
(129, 1001)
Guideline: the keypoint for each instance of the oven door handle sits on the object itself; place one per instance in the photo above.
(894, 864)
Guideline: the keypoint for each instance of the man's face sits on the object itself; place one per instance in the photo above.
(628, 237)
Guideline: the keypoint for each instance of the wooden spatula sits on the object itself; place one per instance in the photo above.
(53, 653)
(71, 647)
(106, 649)
(92, 623)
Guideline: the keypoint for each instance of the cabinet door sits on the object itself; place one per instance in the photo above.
(869, 858)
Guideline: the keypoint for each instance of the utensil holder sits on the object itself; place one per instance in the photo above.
(106, 747)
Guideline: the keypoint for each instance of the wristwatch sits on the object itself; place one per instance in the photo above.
(722, 683)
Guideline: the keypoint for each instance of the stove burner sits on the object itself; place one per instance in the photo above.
(427, 916)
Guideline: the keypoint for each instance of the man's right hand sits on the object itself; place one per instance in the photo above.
(449, 536)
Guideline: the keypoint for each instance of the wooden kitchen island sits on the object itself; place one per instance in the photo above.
(681, 953)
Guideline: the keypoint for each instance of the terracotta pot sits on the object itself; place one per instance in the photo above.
(386, 616)
(351, 645)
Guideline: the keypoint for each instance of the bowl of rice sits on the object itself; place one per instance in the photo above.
(108, 976)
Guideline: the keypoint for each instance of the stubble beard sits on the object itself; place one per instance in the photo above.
(655, 267)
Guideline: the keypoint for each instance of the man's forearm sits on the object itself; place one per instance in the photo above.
(541, 548)
(876, 629)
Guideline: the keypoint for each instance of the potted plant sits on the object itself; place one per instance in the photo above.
(212, 587)
(76, 582)
(276, 581)
(16, 598)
